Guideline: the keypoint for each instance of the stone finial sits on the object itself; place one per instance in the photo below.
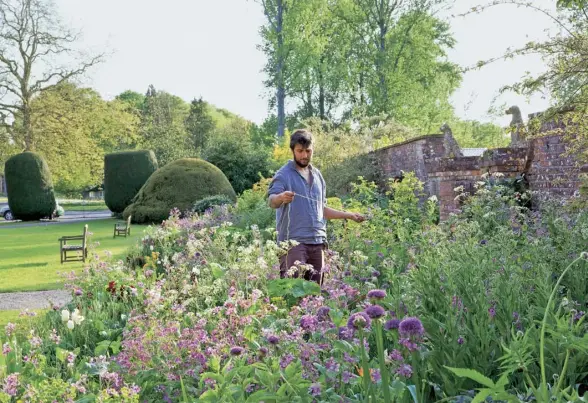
(445, 129)
(516, 126)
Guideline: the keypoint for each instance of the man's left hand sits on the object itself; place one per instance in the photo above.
(356, 217)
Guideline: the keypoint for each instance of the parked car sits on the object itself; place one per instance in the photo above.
(7, 214)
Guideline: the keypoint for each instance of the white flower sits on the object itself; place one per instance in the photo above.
(123, 317)
(433, 198)
(70, 324)
(64, 315)
(76, 317)
(458, 189)
(498, 174)
(196, 270)
(151, 247)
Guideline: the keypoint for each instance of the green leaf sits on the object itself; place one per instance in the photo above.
(214, 363)
(482, 395)
(261, 395)
(473, 375)
(217, 270)
(184, 394)
(217, 377)
(61, 354)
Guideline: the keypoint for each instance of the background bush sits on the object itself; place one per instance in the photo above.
(242, 161)
(29, 187)
(217, 200)
(125, 173)
(179, 185)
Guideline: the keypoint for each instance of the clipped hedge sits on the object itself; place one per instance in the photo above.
(125, 173)
(29, 187)
(178, 184)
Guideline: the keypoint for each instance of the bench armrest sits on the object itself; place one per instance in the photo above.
(71, 238)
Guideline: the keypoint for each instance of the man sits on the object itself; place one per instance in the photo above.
(298, 193)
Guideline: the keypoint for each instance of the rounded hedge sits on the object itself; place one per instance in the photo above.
(29, 187)
(125, 173)
(178, 184)
(211, 201)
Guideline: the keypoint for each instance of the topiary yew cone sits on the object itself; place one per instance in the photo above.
(125, 173)
(29, 187)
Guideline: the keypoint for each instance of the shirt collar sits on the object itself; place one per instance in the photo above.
(292, 165)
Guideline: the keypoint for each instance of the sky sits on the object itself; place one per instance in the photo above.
(208, 48)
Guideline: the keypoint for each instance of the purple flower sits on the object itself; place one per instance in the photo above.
(286, 360)
(375, 311)
(323, 313)
(346, 377)
(273, 339)
(409, 344)
(376, 273)
(315, 389)
(380, 255)
(460, 340)
(309, 323)
(376, 294)
(411, 327)
(483, 242)
(263, 351)
(332, 365)
(392, 324)
(237, 350)
(492, 312)
(78, 292)
(396, 355)
(11, 384)
(359, 320)
(404, 370)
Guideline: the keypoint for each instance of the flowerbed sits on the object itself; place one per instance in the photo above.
(490, 304)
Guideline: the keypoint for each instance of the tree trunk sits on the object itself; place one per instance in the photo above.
(27, 128)
(383, 89)
(321, 83)
(281, 90)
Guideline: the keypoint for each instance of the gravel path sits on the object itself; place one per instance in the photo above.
(33, 299)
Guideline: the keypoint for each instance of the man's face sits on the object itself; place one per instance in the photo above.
(302, 155)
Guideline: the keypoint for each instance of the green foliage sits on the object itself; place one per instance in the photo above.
(125, 173)
(199, 123)
(178, 185)
(474, 134)
(217, 200)
(241, 161)
(253, 210)
(29, 187)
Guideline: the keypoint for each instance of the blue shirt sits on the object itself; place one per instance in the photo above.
(307, 221)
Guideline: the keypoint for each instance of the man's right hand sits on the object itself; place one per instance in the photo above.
(286, 197)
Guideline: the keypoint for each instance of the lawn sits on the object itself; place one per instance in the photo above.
(30, 255)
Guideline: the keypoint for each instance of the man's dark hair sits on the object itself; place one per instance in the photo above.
(302, 137)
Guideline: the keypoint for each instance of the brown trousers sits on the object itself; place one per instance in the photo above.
(305, 254)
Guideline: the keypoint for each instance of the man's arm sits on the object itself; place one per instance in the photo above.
(332, 214)
(276, 200)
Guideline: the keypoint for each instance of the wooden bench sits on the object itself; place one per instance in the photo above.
(123, 228)
(81, 246)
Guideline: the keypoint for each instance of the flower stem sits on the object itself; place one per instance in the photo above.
(383, 369)
(563, 371)
(364, 364)
(543, 386)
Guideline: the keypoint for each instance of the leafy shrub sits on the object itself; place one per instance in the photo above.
(125, 173)
(29, 187)
(242, 162)
(178, 185)
(217, 200)
(253, 209)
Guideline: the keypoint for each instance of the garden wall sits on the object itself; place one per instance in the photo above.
(439, 163)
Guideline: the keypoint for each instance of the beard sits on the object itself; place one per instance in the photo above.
(302, 163)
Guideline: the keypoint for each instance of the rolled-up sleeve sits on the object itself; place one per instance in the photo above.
(277, 184)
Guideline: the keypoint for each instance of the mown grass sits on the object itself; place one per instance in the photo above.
(30, 254)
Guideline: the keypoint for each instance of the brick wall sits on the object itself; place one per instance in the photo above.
(438, 162)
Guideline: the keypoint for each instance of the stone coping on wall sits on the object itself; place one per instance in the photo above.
(411, 140)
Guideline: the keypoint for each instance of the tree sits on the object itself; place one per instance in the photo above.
(31, 40)
(163, 127)
(199, 123)
(75, 127)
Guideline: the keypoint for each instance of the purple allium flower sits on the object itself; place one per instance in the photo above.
(359, 320)
(375, 311)
(263, 351)
(404, 370)
(460, 340)
(315, 389)
(483, 242)
(376, 273)
(78, 292)
(410, 345)
(492, 312)
(376, 294)
(392, 324)
(345, 333)
(411, 327)
(273, 339)
(237, 350)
